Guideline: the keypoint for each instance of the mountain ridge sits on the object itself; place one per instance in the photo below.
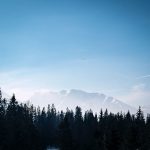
(86, 100)
(75, 97)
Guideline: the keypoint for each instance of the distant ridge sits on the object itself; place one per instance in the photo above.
(85, 100)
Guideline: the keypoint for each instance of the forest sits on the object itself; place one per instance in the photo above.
(25, 127)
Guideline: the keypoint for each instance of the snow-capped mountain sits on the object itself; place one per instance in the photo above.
(85, 100)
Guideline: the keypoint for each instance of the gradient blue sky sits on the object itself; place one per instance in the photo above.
(93, 45)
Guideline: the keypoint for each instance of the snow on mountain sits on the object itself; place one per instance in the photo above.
(85, 100)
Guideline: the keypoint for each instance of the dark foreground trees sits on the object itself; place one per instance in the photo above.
(24, 127)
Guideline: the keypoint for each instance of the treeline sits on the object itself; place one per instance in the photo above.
(24, 127)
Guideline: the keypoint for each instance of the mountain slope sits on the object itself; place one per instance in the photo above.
(85, 100)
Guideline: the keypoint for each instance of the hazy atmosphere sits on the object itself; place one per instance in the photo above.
(95, 46)
(74, 74)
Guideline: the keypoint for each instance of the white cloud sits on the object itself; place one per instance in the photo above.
(138, 95)
(16, 82)
(139, 87)
(142, 77)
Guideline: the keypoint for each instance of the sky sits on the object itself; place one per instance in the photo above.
(93, 45)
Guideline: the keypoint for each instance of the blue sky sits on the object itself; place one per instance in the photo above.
(95, 45)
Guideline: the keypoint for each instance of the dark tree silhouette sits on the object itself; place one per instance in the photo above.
(25, 127)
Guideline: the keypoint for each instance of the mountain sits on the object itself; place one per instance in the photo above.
(85, 100)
